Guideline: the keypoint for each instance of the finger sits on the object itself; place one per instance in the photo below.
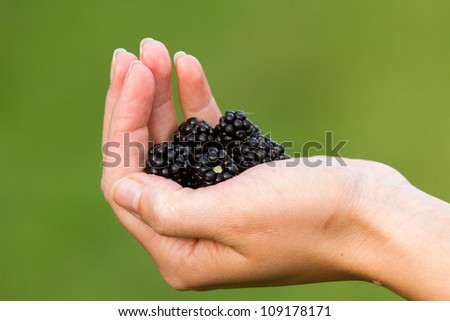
(170, 209)
(119, 66)
(163, 120)
(128, 128)
(194, 93)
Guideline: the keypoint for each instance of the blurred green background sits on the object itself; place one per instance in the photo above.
(376, 73)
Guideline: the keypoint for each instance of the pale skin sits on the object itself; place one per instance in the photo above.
(270, 225)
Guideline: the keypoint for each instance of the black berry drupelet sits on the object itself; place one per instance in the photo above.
(201, 155)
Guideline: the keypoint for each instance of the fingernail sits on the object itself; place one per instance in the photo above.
(143, 41)
(177, 55)
(127, 194)
(130, 69)
(113, 63)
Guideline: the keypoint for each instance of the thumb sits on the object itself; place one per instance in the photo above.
(166, 207)
(126, 192)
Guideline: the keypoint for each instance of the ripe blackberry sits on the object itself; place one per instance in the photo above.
(192, 131)
(211, 167)
(201, 155)
(257, 150)
(235, 126)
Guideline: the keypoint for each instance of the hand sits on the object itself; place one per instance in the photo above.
(268, 226)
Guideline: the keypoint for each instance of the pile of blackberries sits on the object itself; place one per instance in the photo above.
(201, 155)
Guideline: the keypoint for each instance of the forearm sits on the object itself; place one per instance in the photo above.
(405, 243)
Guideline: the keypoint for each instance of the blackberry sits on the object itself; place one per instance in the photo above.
(201, 155)
(235, 126)
(257, 150)
(209, 168)
(192, 131)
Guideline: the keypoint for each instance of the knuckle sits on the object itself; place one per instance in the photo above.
(204, 104)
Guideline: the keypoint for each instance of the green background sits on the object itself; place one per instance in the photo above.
(376, 73)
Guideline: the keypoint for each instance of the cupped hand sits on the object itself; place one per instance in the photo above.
(278, 223)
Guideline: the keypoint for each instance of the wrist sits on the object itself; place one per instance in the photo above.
(400, 238)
